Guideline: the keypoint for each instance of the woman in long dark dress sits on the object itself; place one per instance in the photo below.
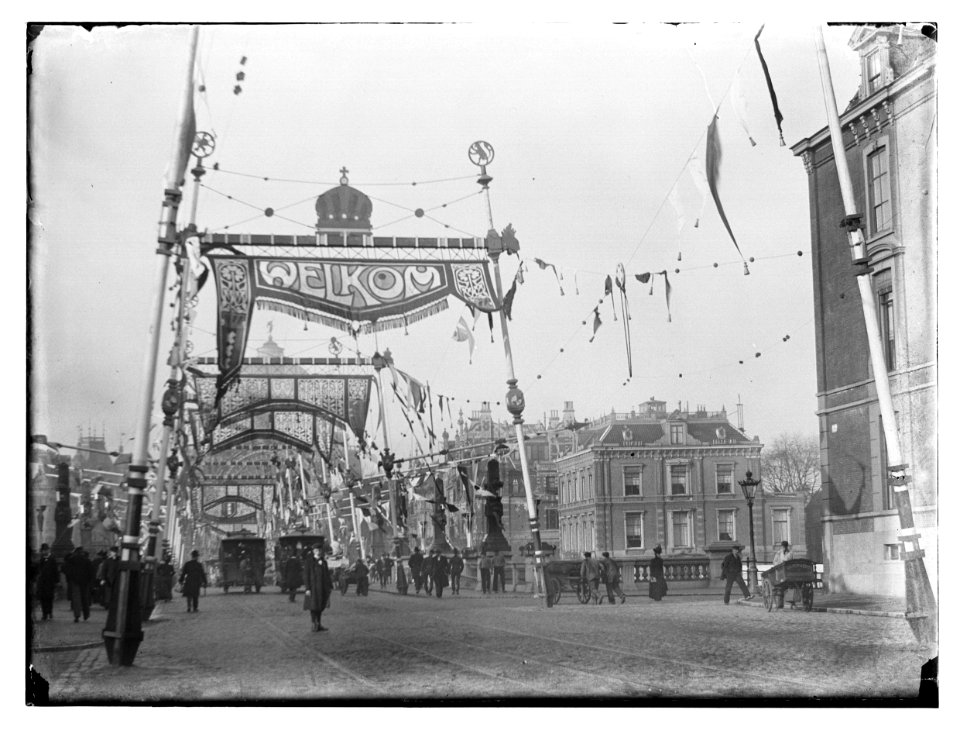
(316, 579)
(658, 583)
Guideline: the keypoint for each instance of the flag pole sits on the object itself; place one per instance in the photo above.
(921, 604)
(481, 153)
(123, 632)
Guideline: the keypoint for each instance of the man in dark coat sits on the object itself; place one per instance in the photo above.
(96, 596)
(426, 571)
(401, 578)
(499, 565)
(292, 575)
(362, 574)
(48, 577)
(611, 578)
(486, 568)
(732, 572)
(441, 572)
(416, 566)
(316, 579)
(107, 575)
(192, 577)
(456, 570)
(79, 573)
(165, 573)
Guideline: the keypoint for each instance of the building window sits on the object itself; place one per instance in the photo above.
(781, 526)
(891, 552)
(676, 434)
(678, 479)
(724, 479)
(726, 524)
(633, 529)
(632, 482)
(551, 519)
(874, 72)
(879, 205)
(883, 282)
(681, 525)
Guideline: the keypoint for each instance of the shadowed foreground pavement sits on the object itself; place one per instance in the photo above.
(260, 648)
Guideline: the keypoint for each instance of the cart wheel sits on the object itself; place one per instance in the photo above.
(807, 597)
(583, 593)
(768, 595)
(553, 589)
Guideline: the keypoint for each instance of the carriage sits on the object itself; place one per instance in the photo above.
(560, 576)
(798, 573)
(242, 561)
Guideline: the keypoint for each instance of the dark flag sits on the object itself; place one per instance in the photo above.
(773, 95)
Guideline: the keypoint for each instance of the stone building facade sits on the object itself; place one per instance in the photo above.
(651, 477)
(890, 138)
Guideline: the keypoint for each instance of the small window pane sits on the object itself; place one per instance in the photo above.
(633, 522)
(678, 480)
(631, 481)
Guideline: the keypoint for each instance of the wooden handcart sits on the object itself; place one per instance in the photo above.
(798, 573)
(563, 576)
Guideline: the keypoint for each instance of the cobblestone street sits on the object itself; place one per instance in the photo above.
(259, 647)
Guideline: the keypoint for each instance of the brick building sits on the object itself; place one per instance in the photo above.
(635, 480)
(889, 135)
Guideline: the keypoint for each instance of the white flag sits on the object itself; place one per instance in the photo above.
(463, 334)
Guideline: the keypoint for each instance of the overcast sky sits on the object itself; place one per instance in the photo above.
(593, 124)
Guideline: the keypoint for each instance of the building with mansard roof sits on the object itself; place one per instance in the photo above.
(889, 134)
(632, 481)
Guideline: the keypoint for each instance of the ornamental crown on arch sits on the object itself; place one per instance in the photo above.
(344, 208)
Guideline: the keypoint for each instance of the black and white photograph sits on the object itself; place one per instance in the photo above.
(498, 362)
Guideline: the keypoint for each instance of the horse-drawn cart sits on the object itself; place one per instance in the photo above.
(799, 574)
(560, 576)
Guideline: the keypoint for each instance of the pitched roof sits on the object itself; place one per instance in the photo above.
(714, 431)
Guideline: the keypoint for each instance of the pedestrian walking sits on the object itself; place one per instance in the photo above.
(426, 570)
(362, 574)
(416, 566)
(78, 571)
(611, 578)
(165, 574)
(192, 577)
(441, 573)
(47, 580)
(658, 582)
(292, 575)
(402, 584)
(96, 594)
(316, 579)
(456, 570)
(590, 573)
(499, 564)
(107, 575)
(486, 569)
(732, 571)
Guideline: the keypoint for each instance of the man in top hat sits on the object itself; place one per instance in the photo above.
(732, 572)
(192, 577)
(316, 579)
(48, 577)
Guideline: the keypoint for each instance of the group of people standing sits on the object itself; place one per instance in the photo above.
(432, 573)
(492, 573)
(88, 580)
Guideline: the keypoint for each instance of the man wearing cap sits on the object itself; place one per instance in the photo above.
(590, 573)
(732, 572)
(192, 577)
(611, 578)
(48, 576)
(316, 579)
(416, 566)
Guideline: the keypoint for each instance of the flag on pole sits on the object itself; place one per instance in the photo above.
(596, 322)
(186, 126)
(463, 334)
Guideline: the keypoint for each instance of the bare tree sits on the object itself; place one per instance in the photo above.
(791, 465)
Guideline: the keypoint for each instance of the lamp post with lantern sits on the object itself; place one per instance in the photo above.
(749, 487)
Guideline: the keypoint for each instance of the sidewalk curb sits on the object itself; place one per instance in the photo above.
(837, 610)
(68, 648)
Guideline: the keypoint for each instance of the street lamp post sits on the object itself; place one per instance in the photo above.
(749, 487)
